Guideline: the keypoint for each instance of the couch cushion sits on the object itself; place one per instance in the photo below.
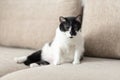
(7, 63)
(101, 28)
(31, 23)
(89, 69)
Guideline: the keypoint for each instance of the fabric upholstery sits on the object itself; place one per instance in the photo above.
(89, 69)
(31, 23)
(7, 64)
(101, 28)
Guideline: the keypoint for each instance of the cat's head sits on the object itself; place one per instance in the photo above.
(70, 26)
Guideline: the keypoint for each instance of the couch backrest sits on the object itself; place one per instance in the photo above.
(31, 23)
(101, 28)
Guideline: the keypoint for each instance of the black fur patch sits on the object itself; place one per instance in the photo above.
(35, 58)
(50, 43)
(42, 62)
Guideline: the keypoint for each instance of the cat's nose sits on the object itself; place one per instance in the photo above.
(73, 33)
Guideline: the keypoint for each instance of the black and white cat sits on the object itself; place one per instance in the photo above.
(67, 46)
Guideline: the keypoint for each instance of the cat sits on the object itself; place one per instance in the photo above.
(67, 46)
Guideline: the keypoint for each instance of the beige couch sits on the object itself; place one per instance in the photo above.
(89, 69)
(22, 24)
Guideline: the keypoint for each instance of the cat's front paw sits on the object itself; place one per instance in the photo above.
(76, 62)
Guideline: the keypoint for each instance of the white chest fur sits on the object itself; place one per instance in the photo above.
(64, 49)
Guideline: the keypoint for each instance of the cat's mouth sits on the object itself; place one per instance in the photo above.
(71, 37)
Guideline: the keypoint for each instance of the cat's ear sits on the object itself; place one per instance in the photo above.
(79, 18)
(62, 19)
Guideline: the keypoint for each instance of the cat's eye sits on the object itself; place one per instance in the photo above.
(76, 27)
(67, 27)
